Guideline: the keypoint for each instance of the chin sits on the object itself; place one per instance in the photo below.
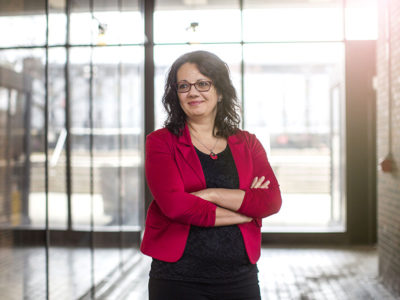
(195, 111)
(196, 115)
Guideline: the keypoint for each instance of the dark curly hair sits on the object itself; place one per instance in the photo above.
(227, 119)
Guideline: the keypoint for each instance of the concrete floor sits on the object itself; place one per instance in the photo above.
(285, 273)
(294, 274)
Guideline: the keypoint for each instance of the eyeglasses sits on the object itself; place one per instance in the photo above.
(200, 85)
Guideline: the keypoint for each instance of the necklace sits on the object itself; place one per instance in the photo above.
(212, 154)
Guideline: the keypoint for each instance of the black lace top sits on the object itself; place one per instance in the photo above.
(212, 253)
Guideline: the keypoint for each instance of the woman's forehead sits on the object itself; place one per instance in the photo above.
(189, 71)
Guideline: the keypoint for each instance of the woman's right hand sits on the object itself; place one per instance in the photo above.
(258, 183)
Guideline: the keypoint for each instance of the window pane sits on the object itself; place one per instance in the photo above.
(131, 145)
(118, 22)
(105, 133)
(361, 19)
(57, 22)
(132, 136)
(22, 192)
(80, 141)
(112, 22)
(292, 117)
(299, 21)
(57, 139)
(22, 23)
(164, 56)
(25, 72)
(191, 23)
(82, 26)
(83, 204)
(117, 135)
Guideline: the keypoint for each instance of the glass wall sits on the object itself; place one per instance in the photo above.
(72, 133)
(71, 144)
(287, 63)
(22, 148)
(292, 118)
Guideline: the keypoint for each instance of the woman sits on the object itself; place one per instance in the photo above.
(212, 184)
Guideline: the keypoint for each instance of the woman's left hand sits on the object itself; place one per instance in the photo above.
(258, 183)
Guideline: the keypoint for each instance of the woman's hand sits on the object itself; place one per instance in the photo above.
(258, 183)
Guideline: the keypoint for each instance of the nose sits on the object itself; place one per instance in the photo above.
(193, 91)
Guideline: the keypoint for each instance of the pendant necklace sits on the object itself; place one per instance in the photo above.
(212, 154)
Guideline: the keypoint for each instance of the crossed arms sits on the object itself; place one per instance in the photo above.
(229, 201)
(210, 207)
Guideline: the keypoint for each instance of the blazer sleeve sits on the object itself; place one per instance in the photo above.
(261, 203)
(167, 188)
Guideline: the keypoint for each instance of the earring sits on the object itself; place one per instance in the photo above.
(219, 99)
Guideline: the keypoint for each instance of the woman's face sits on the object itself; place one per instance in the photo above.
(195, 104)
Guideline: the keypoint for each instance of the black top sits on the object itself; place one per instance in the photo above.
(211, 253)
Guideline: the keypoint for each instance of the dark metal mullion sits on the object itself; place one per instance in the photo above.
(342, 128)
(242, 62)
(46, 149)
(68, 121)
(8, 181)
(254, 43)
(148, 10)
(66, 45)
(121, 179)
(331, 156)
(344, 206)
(93, 288)
(91, 173)
(121, 184)
(176, 44)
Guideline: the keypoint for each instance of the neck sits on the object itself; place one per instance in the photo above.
(201, 127)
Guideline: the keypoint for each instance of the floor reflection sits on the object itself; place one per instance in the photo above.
(23, 271)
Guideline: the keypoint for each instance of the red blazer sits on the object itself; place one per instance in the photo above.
(173, 171)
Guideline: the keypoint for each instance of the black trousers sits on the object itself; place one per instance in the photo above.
(164, 289)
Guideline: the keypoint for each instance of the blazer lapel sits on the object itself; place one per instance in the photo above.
(188, 152)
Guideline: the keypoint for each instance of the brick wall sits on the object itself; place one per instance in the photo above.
(389, 183)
